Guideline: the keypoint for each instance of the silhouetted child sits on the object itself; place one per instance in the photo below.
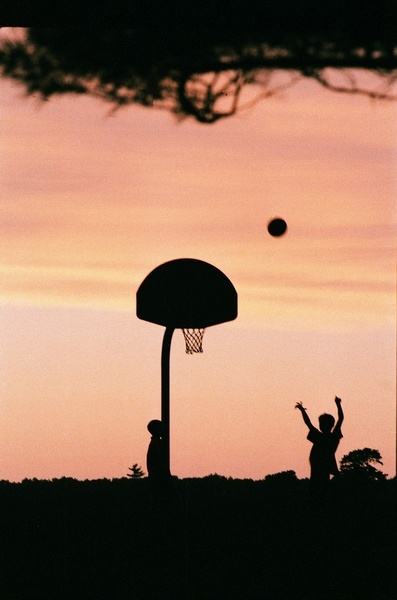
(325, 442)
(156, 460)
(159, 481)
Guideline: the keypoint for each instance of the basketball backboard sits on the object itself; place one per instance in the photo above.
(186, 293)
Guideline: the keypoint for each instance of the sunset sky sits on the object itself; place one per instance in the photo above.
(91, 202)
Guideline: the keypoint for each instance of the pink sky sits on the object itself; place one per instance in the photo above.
(91, 203)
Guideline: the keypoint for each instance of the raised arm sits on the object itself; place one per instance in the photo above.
(341, 416)
(305, 416)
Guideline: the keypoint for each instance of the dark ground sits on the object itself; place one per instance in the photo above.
(212, 539)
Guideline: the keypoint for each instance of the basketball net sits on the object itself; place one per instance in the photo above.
(193, 340)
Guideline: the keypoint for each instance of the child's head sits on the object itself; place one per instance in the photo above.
(155, 427)
(326, 422)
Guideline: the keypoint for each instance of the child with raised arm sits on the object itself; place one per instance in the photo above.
(325, 441)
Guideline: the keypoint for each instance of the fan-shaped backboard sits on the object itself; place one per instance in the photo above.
(186, 293)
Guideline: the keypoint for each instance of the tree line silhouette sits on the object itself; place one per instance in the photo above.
(357, 465)
(219, 537)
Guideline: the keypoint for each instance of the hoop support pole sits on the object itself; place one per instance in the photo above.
(165, 391)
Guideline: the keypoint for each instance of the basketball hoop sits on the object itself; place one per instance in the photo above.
(193, 340)
(182, 294)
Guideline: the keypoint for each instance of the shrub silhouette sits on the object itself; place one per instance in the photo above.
(282, 477)
(356, 465)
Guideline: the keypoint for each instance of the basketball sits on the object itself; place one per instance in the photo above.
(277, 227)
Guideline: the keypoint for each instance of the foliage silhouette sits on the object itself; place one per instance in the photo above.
(136, 472)
(210, 60)
(357, 465)
(282, 477)
(223, 538)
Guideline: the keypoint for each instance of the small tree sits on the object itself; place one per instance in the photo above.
(136, 472)
(357, 465)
